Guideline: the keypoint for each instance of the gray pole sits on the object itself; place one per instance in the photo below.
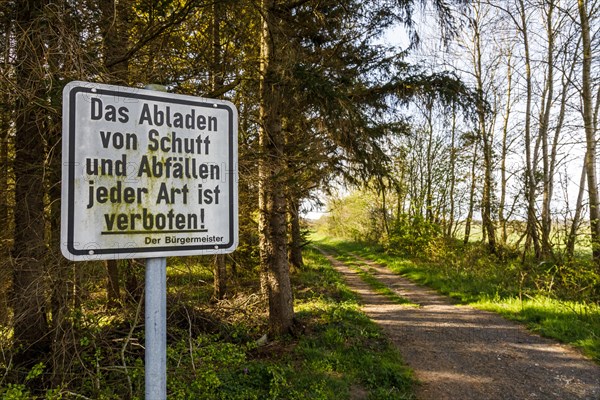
(156, 329)
(156, 320)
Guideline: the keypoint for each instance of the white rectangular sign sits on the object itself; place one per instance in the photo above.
(147, 174)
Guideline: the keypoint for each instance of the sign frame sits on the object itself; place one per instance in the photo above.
(75, 131)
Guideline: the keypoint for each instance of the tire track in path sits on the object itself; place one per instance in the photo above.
(458, 352)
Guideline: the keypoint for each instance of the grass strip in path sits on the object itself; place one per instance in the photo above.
(367, 275)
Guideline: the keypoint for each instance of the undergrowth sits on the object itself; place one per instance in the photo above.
(218, 350)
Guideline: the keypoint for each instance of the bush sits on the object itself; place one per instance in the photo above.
(412, 236)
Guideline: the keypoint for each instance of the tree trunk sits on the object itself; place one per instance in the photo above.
(59, 271)
(429, 163)
(113, 285)
(216, 78)
(115, 39)
(572, 236)
(220, 277)
(469, 218)
(488, 228)
(4, 225)
(530, 180)
(547, 160)
(503, 179)
(386, 222)
(452, 174)
(295, 247)
(272, 203)
(29, 249)
(134, 281)
(6, 111)
(588, 121)
(115, 44)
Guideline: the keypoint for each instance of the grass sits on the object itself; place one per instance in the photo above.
(337, 352)
(569, 322)
(381, 288)
(502, 288)
(343, 343)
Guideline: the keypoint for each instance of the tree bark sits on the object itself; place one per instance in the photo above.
(29, 249)
(216, 78)
(488, 227)
(115, 39)
(530, 180)
(6, 111)
(113, 284)
(115, 45)
(547, 149)
(572, 236)
(429, 163)
(588, 121)
(220, 277)
(58, 269)
(272, 202)
(502, 219)
(469, 218)
(452, 174)
(295, 247)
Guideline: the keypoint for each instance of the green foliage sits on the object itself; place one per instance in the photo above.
(412, 235)
(204, 367)
(20, 391)
(576, 280)
(356, 217)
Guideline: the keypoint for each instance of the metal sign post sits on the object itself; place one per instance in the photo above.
(156, 329)
(155, 318)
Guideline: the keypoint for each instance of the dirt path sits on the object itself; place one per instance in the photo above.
(458, 352)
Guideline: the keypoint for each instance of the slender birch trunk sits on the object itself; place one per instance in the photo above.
(489, 230)
(530, 180)
(588, 121)
(469, 218)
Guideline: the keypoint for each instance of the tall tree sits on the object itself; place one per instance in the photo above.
(502, 217)
(530, 178)
(29, 247)
(452, 175)
(590, 134)
(6, 116)
(115, 43)
(272, 202)
(472, 193)
(556, 59)
(486, 136)
(217, 80)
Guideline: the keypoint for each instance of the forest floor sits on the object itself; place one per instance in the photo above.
(458, 352)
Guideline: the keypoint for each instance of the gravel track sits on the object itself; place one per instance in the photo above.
(458, 352)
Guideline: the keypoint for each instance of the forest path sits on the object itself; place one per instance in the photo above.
(458, 352)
